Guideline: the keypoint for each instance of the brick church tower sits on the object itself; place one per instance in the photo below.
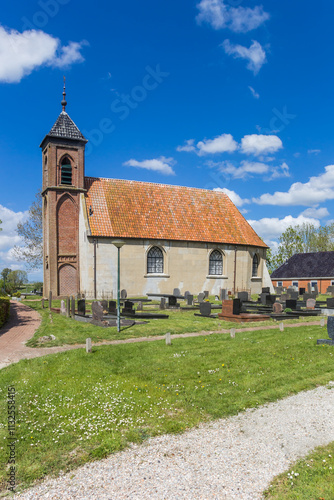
(63, 151)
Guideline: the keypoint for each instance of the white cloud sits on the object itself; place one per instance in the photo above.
(189, 146)
(314, 151)
(277, 172)
(255, 55)
(9, 237)
(317, 190)
(234, 197)
(222, 144)
(317, 213)
(271, 228)
(21, 53)
(254, 93)
(246, 169)
(260, 144)
(161, 165)
(237, 19)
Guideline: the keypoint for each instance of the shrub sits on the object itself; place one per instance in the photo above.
(4, 310)
(16, 294)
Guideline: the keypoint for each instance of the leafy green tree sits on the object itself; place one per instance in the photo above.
(0, 223)
(15, 279)
(32, 233)
(4, 273)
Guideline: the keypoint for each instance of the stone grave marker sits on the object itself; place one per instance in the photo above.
(281, 327)
(310, 303)
(236, 306)
(263, 298)
(162, 303)
(223, 294)
(140, 306)
(62, 307)
(112, 307)
(291, 304)
(97, 311)
(176, 292)
(186, 293)
(330, 303)
(190, 300)
(88, 345)
(42, 303)
(302, 291)
(266, 289)
(168, 339)
(206, 294)
(81, 307)
(128, 307)
(200, 297)
(293, 295)
(278, 290)
(309, 288)
(72, 307)
(243, 296)
(124, 294)
(316, 289)
(232, 333)
(322, 321)
(205, 308)
(277, 308)
(330, 289)
(68, 307)
(330, 331)
(172, 301)
(104, 304)
(50, 299)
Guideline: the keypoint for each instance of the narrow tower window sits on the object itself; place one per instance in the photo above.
(255, 265)
(66, 171)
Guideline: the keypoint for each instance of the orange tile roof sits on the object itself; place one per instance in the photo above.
(131, 209)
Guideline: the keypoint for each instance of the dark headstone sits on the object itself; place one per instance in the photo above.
(270, 300)
(172, 301)
(190, 300)
(302, 291)
(263, 298)
(124, 294)
(81, 307)
(236, 306)
(112, 307)
(307, 296)
(205, 308)
(223, 294)
(330, 303)
(200, 297)
(277, 308)
(97, 311)
(176, 292)
(291, 304)
(206, 294)
(284, 297)
(50, 299)
(292, 294)
(72, 307)
(68, 307)
(162, 303)
(128, 307)
(330, 289)
(330, 331)
(266, 289)
(243, 296)
(186, 294)
(104, 304)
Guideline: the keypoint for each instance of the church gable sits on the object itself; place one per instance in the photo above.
(131, 209)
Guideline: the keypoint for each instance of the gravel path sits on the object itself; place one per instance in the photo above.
(234, 458)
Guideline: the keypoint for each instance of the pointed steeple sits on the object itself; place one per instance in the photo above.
(64, 102)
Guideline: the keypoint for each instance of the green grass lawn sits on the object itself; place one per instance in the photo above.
(75, 407)
(69, 331)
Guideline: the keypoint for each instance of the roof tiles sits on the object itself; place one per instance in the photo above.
(131, 209)
(307, 265)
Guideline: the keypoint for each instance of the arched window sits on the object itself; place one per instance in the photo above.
(155, 261)
(255, 265)
(66, 171)
(216, 263)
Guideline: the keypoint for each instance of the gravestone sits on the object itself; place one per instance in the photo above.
(205, 308)
(172, 301)
(330, 331)
(292, 294)
(281, 327)
(162, 303)
(104, 304)
(316, 289)
(277, 308)
(236, 306)
(68, 307)
(128, 307)
(88, 345)
(309, 288)
(190, 300)
(206, 294)
(42, 303)
(97, 311)
(140, 306)
(124, 294)
(310, 303)
(307, 296)
(232, 333)
(200, 297)
(176, 292)
(81, 307)
(302, 291)
(279, 290)
(284, 297)
(168, 339)
(243, 296)
(330, 289)
(330, 303)
(186, 294)
(263, 298)
(112, 307)
(223, 294)
(266, 289)
(72, 307)
(50, 299)
(291, 304)
(62, 307)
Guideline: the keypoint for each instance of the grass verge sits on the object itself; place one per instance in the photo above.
(75, 407)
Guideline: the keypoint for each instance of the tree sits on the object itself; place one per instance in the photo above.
(15, 280)
(32, 233)
(4, 273)
(0, 223)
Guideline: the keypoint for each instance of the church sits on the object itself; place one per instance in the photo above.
(171, 236)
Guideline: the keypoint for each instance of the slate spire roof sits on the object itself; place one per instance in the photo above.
(132, 209)
(66, 128)
(307, 265)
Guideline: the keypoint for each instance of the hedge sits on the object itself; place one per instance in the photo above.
(4, 310)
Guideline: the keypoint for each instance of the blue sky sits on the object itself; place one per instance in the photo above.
(233, 95)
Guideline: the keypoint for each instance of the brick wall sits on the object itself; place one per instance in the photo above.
(67, 280)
